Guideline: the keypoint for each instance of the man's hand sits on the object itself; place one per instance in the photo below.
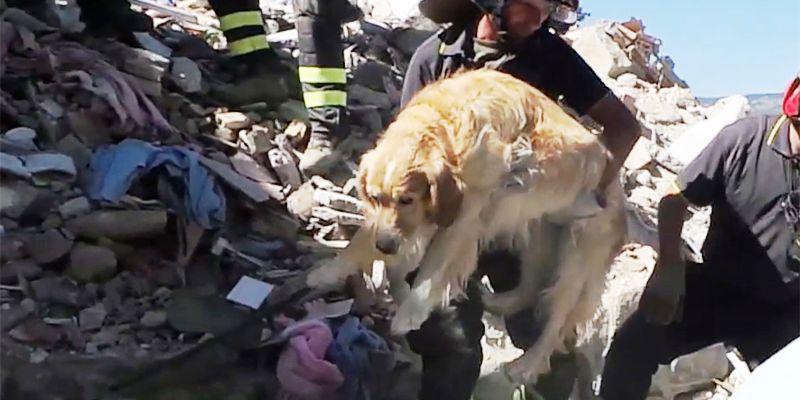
(662, 299)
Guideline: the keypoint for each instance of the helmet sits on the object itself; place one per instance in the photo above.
(444, 11)
(562, 12)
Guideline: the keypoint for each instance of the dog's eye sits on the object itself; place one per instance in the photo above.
(405, 200)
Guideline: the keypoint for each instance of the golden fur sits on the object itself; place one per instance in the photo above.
(440, 186)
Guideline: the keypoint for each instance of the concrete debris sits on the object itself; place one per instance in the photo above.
(138, 278)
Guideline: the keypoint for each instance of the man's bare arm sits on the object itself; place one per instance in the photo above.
(620, 132)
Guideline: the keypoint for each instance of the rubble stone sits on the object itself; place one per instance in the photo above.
(48, 246)
(58, 290)
(28, 269)
(93, 317)
(74, 207)
(91, 263)
(154, 319)
(601, 52)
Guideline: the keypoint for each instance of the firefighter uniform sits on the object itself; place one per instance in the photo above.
(322, 75)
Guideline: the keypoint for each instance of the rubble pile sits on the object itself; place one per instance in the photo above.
(142, 215)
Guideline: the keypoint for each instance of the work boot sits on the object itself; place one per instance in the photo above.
(319, 157)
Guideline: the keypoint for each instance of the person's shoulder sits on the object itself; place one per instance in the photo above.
(547, 38)
(430, 46)
(750, 130)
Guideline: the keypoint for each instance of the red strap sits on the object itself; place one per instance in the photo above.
(791, 101)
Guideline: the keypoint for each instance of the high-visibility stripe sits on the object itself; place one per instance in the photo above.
(322, 75)
(323, 98)
(248, 45)
(240, 19)
(776, 129)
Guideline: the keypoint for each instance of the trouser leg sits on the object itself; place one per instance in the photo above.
(243, 25)
(322, 75)
(449, 343)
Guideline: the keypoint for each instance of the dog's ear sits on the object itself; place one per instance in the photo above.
(446, 195)
(362, 178)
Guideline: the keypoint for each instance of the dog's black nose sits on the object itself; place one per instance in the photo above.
(387, 244)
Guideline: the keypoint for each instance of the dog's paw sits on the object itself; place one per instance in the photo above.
(526, 369)
(410, 316)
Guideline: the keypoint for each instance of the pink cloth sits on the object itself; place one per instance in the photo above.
(302, 370)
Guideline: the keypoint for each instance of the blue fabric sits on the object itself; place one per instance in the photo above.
(114, 169)
(353, 350)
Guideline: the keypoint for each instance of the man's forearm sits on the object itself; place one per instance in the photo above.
(671, 213)
(621, 130)
(620, 141)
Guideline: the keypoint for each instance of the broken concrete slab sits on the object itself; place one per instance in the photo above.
(258, 192)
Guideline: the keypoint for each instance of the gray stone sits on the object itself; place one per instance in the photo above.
(89, 263)
(48, 247)
(19, 199)
(186, 74)
(74, 207)
(191, 313)
(301, 201)
(93, 317)
(58, 290)
(119, 225)
(154, 319)
(29, 270)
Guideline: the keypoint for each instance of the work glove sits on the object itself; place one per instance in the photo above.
(662, 299)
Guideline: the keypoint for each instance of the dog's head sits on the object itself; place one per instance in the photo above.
(405, 187)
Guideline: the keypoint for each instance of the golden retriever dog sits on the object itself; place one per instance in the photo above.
(479, 160)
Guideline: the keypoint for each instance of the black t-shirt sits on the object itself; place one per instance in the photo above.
(744, 174)
(545, 61)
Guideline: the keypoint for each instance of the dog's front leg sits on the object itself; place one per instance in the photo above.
(452, 248)
(357, 256)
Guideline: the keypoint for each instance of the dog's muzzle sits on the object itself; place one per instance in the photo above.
(387, 243)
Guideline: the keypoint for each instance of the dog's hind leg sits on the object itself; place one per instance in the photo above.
(561, 298)
(537, 253)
